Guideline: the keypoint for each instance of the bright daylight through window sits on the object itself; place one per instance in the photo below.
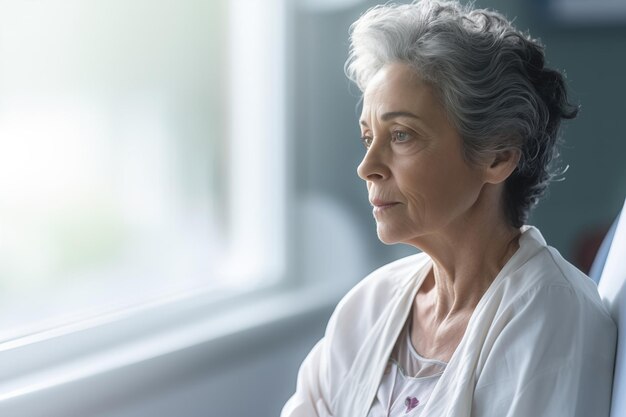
(137, 143)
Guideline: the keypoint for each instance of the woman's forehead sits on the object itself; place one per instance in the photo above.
(397, 89)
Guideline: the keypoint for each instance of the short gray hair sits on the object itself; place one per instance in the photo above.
(490, 78)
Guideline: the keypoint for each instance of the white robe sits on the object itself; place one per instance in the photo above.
(539, 343)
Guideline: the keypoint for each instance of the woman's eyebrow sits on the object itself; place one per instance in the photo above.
(392, 115)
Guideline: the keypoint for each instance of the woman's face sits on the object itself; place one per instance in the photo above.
(417, 180)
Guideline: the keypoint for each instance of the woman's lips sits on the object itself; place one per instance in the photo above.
(381, 205)
(376, 202)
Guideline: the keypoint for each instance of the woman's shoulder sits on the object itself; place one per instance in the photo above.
(544, 305)
(547, 301)
(539, 270)
(548, 272)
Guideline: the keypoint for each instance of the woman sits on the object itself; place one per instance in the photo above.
(460, 119)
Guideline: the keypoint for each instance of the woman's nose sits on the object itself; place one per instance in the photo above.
(373, 166)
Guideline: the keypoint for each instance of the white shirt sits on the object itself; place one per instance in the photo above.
(539, 343)
(407, 382)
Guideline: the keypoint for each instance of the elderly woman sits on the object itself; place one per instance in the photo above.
(460, 119)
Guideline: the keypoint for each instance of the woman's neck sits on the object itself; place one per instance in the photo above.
(467, 256)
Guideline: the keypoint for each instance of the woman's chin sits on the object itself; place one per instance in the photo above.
(386, 237)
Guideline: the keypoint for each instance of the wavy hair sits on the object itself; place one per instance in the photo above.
(490, 77)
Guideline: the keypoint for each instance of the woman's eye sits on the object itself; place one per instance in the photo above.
(367, 141)
(400, 136)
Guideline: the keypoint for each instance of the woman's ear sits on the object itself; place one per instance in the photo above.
(501, 165)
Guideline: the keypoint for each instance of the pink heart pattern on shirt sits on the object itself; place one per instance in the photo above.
(411, 403)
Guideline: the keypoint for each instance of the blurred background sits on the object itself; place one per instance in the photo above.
(159, 151)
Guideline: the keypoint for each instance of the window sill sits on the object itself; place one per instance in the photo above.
(58, 374)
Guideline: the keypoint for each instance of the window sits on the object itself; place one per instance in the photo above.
(141, 154)
(586, 12)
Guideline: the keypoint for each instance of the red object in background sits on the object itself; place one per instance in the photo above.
(586, 247)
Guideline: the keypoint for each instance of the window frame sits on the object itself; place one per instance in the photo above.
(98, 355)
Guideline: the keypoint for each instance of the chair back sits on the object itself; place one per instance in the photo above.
(612, 289)
(603, 252)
